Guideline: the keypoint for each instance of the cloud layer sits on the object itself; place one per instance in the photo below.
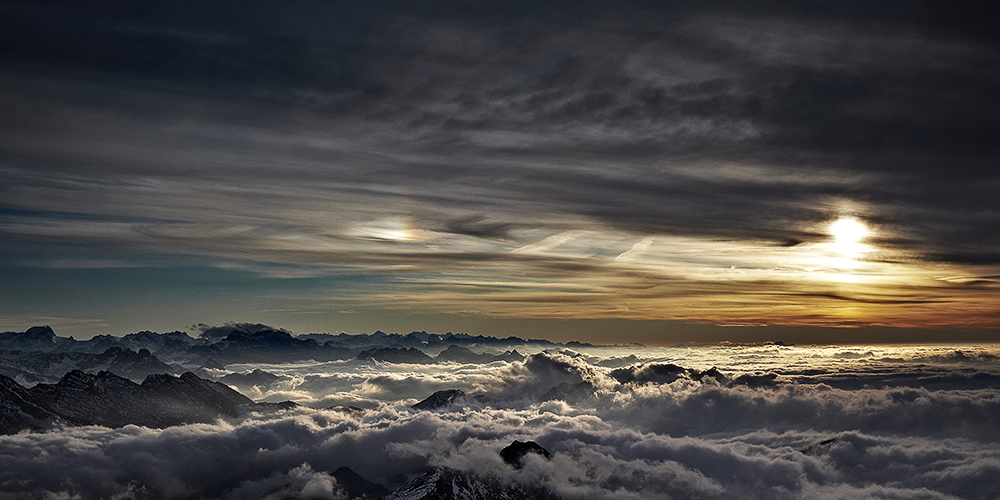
(687, 439)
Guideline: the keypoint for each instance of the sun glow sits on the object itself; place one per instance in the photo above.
(389, 229)
(848, 235)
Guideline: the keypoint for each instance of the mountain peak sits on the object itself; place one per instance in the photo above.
(40, 331)
(442, 483)
(357, 486)
(440, 399)
(515, 452)
(162, 400)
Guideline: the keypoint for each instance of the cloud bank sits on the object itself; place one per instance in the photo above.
(641, 439)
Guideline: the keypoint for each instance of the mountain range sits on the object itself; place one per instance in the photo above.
(39, 355)
(106, 399)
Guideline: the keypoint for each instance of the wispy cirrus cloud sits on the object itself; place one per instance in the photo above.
(467, 147)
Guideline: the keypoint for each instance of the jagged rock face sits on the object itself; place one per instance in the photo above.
(36, 338)
(513, 356)
(198, 391)
(515, 452)
(663, 373)
(440, 399)
(103, 399)
(713, 373)
(20, 410)
(461, 354)
(449, 484)
(161, 401)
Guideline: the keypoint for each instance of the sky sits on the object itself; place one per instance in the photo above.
(604, 171)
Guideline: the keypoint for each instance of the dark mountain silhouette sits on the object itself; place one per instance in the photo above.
(21, 410)
(817, 447)
(459, 354)
(356, 486)
(171, 345)
(712, 372)
(663, 373)
(756, 380)
(39, 355)
(36, 338)
(440, 399)
(267, 346)
(514, 453)
(113, 401)
(424, 341)
(441, 483)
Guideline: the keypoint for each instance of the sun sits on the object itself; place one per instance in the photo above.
(848, 231)
(848, 234)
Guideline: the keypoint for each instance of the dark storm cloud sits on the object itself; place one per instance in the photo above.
(889, 107)
(189, 47)
(808, 113)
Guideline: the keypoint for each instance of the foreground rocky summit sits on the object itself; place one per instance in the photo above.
(110, 400)
(514, 454)
(442, 483)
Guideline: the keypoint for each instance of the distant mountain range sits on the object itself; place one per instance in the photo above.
(39, 355)
(241, 336)
(42, 366)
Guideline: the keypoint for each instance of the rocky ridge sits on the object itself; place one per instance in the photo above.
(107, 399)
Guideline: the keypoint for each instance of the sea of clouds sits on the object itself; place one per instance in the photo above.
(786, 422)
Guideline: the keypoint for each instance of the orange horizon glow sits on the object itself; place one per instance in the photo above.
(841, 281)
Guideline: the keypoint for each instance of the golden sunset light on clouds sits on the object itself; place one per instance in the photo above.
(702, 168)
(532, 250)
